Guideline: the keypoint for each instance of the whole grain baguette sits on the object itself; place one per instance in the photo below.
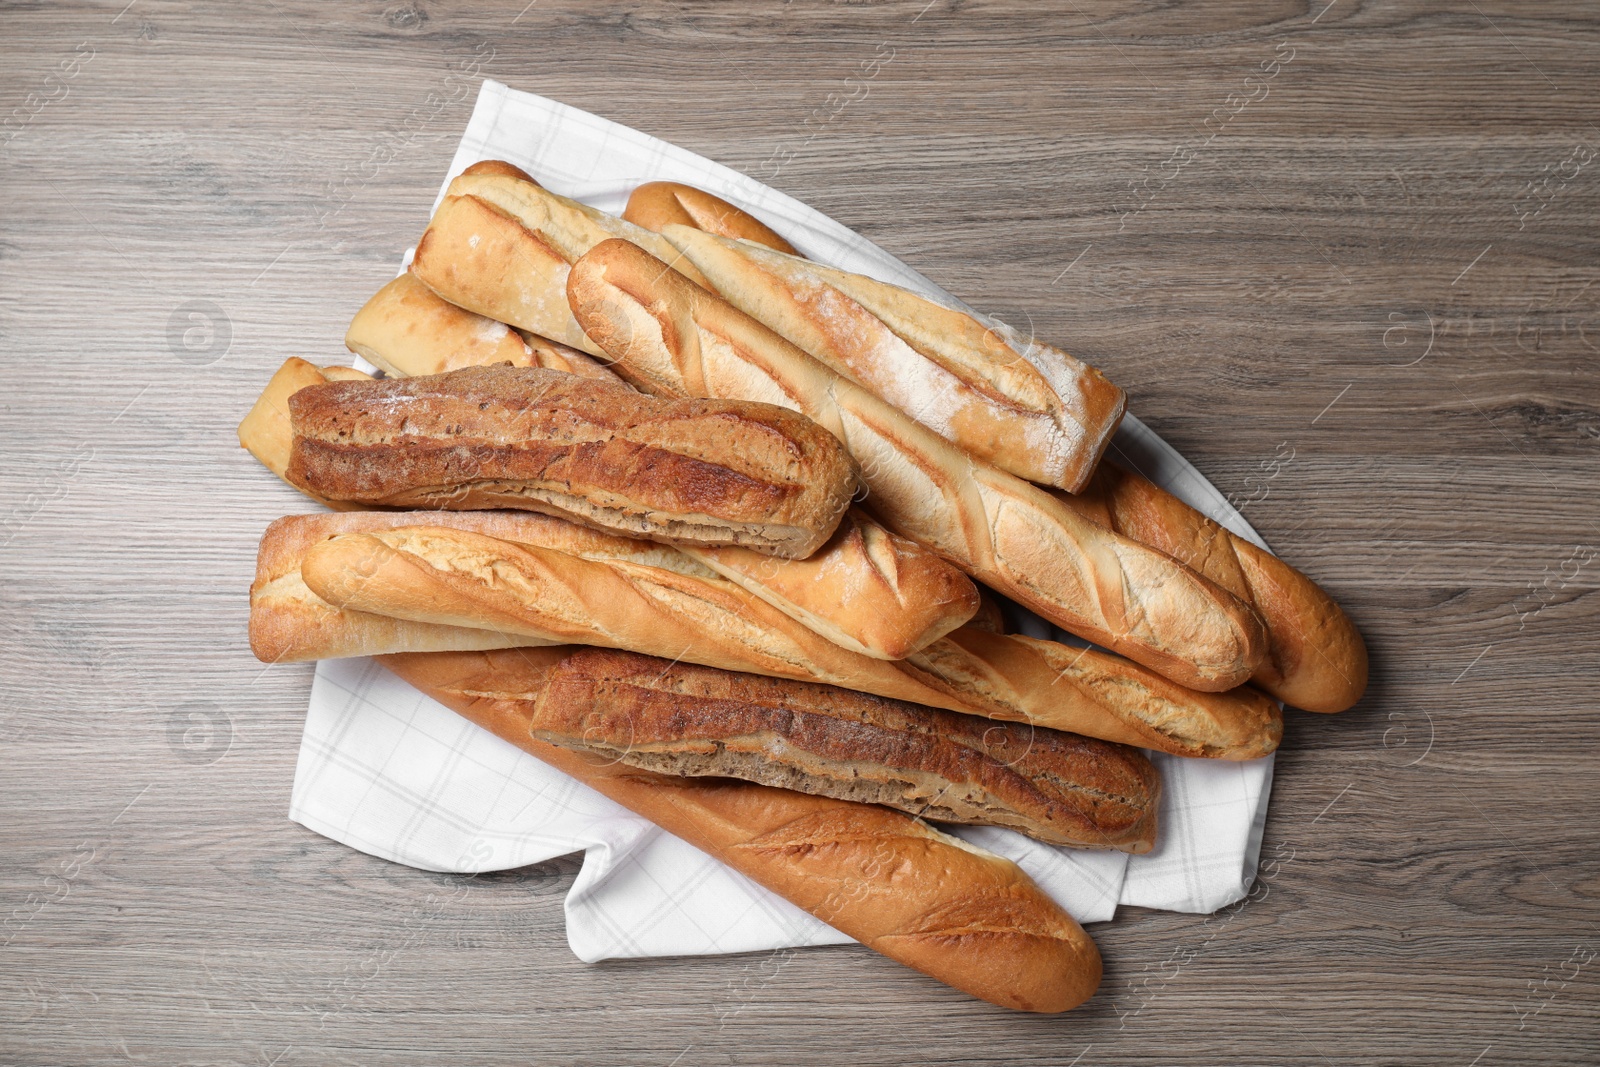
(407, 330)
(655, 205)
(1315, 657)
(1025, 407)
(266, 432)
(667, 334)
(963, 916)
(677, 471)
(500, 244)
(865, 589)
(548, 580)
(681, 718)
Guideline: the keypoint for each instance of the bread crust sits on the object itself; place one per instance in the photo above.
(677, 471)
(655, 205)
(963, 916)
(1316, 659)
(1027, 408)
(680, 718)
(665, 332)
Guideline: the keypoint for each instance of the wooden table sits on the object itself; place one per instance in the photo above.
(1343, 256)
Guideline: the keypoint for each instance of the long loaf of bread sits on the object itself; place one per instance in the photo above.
(666, 595)
(1315, 658)
(501, 245)
(1024, 407)
(678, 471)
(407, 330)
(959, 914)
(669, 335)
(865, 589)
(559, 583)
(679, 718)
(655, 205)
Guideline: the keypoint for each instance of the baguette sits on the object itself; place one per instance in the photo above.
(290, 624)
(1087, 691)
(501, 245)
(550, 581)
(963, 916)
(667, 334)
(266, 432)
(679, 718)
(676, 471)
(1025, 407)
(1315, 657)
(557, 583)
(655, 205)
(866, 589)
(406, 330)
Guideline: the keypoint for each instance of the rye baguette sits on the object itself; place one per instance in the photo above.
(698, 472)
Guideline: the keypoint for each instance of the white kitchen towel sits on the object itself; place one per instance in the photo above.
(395, 774)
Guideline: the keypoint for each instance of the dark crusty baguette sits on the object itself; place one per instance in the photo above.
(679, 718)
(665, 332)
(1315, 658)
(961, 915)
(675, 471)
(657, 204)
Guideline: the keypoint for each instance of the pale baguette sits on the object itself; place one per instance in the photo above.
(1315, 658)
(501, 245)
(1025, 407)
(407, 330)
(963, 916)
(669, 335)
(658, 599)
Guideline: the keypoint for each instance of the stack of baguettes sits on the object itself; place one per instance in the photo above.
(602, 505)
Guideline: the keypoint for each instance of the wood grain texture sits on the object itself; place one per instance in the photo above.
(1363, 302)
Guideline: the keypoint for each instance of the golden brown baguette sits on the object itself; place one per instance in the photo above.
(1025, 407)
(667, 334)
(1084, 690)
(677, 471)
(865, 589)
(555, 584)
(684, 719)
(290, 624)
(501, 245)
(655, 205)
(1315, 658)
(963, 916)
(407, 330)
(552, 581)
(266, 432)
